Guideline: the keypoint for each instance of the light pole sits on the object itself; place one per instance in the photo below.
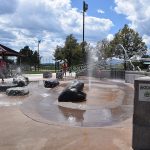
(39, 41)
(85, 8)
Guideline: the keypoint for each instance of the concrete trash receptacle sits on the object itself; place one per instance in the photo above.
(141, 115)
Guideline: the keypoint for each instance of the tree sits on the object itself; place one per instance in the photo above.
(35, 60)
(28, 57)
(58, 54)
(103, 49)
(71, 51)
(130, 40)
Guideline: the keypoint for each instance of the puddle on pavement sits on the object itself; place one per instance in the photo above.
(105, 105)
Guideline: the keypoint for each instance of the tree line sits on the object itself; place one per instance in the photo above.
(74, 54)
(130, 40)
(28, 57)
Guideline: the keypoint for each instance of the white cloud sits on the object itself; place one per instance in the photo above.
(49, 21)
(100, 11)
(136, 11)
(6, 7)
(97, 28)
(110, 37)
(146, 39)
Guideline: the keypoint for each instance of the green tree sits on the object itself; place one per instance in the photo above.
(35, 60)
(28, 57)
(59, 54)
(71, 51)
(103, 49)
(130, 40)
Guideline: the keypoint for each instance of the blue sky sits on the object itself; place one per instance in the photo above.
(107, 6)
(24, 22)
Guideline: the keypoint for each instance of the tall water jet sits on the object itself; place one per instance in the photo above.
(92, 58)
(126, 57)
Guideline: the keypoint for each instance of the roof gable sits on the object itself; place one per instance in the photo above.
(6, 51)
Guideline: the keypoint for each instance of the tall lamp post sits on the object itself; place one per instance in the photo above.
(39, 41)
(85, 8)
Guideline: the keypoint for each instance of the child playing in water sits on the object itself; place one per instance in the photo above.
(64, 68)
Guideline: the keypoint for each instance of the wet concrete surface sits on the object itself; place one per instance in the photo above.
(34, 131)
(4, 86)
(108, 103)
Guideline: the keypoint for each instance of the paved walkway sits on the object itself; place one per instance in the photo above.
(39, 77)
(18, 132)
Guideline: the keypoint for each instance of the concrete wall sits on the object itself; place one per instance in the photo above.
(105, 74)
(130, 76)
(97, 73)
(110, 74)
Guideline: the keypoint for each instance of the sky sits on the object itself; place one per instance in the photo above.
(25, 22)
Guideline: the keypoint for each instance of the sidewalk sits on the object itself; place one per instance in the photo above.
(39, 77)
(19, 132)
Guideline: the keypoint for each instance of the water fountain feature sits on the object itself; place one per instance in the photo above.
(51, 83)
(5, 85)
(73, 92)
(16, 87)
(91, 60)
(107, 103)
(126, 57)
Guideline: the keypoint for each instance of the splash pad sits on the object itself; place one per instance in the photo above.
(108, 103)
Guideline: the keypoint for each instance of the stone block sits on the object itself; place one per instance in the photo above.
(21, 80)
(78, 85)
(59, 75)
(4, 86)
(51, 83)
(47, 74)
(17, 91)
(73, 92)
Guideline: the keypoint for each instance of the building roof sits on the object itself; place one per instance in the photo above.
(6, 51)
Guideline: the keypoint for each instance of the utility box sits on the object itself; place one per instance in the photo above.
(141, 115)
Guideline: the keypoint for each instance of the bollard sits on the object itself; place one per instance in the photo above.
(141, 114)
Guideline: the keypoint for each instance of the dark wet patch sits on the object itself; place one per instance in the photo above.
(47, 110)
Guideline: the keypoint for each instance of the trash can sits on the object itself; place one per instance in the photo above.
(141, 114)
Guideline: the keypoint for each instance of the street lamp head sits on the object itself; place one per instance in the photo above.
(85, 6)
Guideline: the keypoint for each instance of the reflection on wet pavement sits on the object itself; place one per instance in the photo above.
(107, 103)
